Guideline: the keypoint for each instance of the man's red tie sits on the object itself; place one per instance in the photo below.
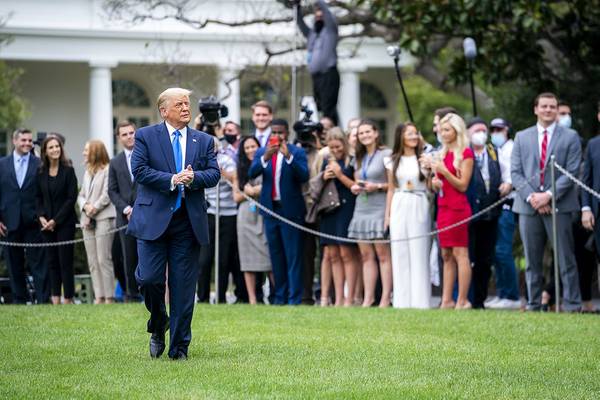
(543, 157)
(274, 172)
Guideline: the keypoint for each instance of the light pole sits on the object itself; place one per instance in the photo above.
(470, 49)
(394, 51)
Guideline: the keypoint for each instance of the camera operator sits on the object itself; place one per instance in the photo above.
(322, 57)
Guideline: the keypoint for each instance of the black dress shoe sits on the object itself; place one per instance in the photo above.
(157, 341)
(180, 356)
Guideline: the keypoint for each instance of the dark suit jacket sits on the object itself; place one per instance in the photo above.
(476, 193)
(16, 203)
(60, 204)
(121, 190)
(591, 175)
(153, 165)
(290, 185)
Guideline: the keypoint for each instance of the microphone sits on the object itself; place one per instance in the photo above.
(393, 51)
(470, 48)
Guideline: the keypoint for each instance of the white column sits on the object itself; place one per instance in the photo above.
(349, 97)
(230, 95)
(101, 108)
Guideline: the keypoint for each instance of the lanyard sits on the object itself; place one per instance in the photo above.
(365, 165)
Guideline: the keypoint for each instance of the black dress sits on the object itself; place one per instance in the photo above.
(336, 222)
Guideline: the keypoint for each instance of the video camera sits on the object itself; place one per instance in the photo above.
(305, 127)
(211, 112)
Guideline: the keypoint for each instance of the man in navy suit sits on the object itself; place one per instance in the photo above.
(590, 205)
(18, 219)
(284, 168)
(172, 165)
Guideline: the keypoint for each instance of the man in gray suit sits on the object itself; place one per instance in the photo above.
(531, 174)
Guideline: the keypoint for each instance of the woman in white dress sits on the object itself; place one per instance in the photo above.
(407, 215)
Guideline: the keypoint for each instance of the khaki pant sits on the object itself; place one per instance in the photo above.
(99, 255)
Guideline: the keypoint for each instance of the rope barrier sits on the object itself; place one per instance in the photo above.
(63, 242)
(326, 235)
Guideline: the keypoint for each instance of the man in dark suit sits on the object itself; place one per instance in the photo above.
(122, 192)
(590, 205)
(531, 155)
(284, 168)
(172, 165)
(18, 219)
(484, 190)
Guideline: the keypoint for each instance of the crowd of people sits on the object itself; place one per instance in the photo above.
(344, 185)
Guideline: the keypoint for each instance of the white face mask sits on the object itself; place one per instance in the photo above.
(479, 138)
(565, 121)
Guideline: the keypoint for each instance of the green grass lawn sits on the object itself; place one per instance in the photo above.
(241, 352)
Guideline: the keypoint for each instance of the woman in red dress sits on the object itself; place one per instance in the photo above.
(451, 181)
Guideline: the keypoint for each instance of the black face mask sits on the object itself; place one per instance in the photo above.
(319, 26)
(231, 139)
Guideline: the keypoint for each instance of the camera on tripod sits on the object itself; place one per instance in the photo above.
(305, 127)
(211, 111)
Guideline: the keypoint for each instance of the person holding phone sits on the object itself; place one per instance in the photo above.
(369, 213)
(284, 169)
(453, 174)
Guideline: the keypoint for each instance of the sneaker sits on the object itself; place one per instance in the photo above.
(491, 302)
(506, 304)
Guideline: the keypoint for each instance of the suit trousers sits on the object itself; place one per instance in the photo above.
(99, 256)
(229, 262)
(286, 249)
(176, 249)
(60, 261)
(130, 261)
(535, 231)
(310, 251)
(16, 257)
(482, 243)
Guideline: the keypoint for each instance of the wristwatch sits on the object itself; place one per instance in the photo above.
(379, 187)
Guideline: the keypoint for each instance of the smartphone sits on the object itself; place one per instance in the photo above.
(273, 140)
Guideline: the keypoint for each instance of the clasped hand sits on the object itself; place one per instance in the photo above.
(185, 177)
(47, 225)
(541, 202)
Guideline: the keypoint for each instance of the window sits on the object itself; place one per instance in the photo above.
(255, 91)
(4, 143)
(128, 93)
(371, 97)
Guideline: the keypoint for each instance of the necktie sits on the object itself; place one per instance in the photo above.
(20, 171)
(178, 166)
(274, 173)
(543, 157)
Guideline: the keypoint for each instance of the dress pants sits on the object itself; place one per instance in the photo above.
(535, 231)
(229, 262)
(117, 259)
(176, 249)
(586, 258)
(15, 261)
(326, 87)
(60, 261)
(130, 261)
(285, 249)
(99, 257)
(482, 242)
(507, 284)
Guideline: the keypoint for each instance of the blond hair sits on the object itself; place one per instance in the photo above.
(462, 141)
(336, 133)
(168, 94)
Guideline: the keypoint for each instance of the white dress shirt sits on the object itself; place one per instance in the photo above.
(280, 158)
(128, 161)
(550, 131)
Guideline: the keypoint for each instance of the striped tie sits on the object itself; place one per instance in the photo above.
(543, 158)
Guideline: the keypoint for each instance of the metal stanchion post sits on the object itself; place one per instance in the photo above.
(554, 236)
(218, 210)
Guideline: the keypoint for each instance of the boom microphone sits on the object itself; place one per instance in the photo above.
(470, 48)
